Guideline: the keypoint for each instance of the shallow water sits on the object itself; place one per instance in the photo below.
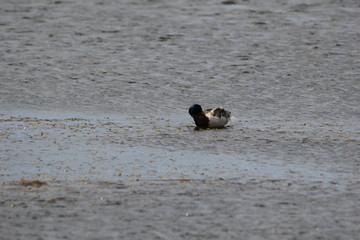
(94, 97)
(80, 147)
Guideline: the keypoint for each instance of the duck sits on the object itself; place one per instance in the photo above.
(216, 117)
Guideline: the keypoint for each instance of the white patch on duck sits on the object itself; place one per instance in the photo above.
(218, 117)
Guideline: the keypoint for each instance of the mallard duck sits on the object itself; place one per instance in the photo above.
(211, 118)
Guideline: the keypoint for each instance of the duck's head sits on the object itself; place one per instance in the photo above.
(195, 110)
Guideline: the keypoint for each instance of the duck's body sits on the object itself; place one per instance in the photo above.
(211, 118)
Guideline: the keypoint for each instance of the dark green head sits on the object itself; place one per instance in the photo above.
(195, 110)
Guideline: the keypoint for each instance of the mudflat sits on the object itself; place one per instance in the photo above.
(96, 141)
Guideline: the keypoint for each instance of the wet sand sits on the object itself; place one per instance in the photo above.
(94, 98)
